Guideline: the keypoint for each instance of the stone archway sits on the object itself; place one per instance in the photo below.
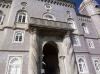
(50, 62)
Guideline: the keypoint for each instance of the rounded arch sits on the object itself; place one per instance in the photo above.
(50, 61)
(22, 16)
(52, 45)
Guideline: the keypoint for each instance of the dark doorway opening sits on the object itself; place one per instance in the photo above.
(50, 58)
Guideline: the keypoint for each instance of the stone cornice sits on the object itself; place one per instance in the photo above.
(66, 4)
(43, 23)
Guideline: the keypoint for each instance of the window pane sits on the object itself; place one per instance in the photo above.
(23, 20)
(20, 38)
(20, 18)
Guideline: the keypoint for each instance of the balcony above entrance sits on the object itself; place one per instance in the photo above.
(49, 24)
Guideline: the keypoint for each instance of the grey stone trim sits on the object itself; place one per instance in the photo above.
(49, 24)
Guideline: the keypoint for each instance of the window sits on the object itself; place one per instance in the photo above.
(76, 41)
(96, 63)
(90, 43)
(48, 16)
(18, 37)
(82, 66)
(21, 17)
(73, 25)
(85, 29)
(14, 65)
(1, 17)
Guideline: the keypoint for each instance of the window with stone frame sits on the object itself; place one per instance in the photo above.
(85, 28)
(96, 63)
(18, 36)
(21, 17)
(90, 43)
(76, 40)
(14, 64)
(82, 65)
(1, 17)
(73, 24)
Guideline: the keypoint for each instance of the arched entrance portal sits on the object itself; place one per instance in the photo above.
(50, 58)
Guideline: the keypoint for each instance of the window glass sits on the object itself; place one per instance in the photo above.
(21, 17)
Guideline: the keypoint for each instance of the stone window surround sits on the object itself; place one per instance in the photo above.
(93, 60)
(85, 28)
(7, 62)
(23, 15)
(86, 67)
(77, 40)
(23, 33)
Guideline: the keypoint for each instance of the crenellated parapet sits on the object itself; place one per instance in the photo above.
(4, 4)
(66, 4)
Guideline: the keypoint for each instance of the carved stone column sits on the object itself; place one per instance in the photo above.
(33, 53)
(69, 54)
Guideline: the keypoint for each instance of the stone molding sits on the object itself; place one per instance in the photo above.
(37, 22)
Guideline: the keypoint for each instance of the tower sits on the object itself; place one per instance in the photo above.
(91, 8)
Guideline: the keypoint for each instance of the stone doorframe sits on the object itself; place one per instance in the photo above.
(65, 56)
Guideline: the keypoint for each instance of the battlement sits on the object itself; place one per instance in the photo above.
(5, 5)
(61, 3)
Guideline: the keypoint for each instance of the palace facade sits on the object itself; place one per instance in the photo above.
(49, 37)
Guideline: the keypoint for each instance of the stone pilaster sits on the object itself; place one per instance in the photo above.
(69, 54)
(33, 53)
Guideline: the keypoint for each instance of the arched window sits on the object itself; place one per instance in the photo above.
(14, 65)
(96, 63)
(21, 17)
(82, 66)
(48, 16)
(72, 23)
(85, 28)
(1, 17)
(76, 40)
(18, 36)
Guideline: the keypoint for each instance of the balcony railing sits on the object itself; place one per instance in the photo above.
(37, 22)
